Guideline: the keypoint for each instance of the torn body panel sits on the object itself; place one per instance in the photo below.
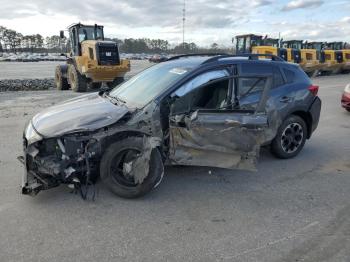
(226, 140)
(222, 138)
(63, 157)
(139, 167)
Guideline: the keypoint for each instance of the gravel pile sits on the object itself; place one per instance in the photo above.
(26, 84)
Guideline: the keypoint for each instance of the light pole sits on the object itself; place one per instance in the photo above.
(183, 25)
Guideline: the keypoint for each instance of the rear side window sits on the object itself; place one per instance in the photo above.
(255, 68)
(247, 86)
(290, 75)
(277, 77)
(261, 69)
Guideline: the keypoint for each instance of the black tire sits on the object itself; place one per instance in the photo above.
(290, 138)
(60, 81)
(115, 82)
(76, 80)
(123, 186)
(347, 109)
(95, 85)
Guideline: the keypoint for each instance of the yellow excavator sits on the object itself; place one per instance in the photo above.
(91, 61)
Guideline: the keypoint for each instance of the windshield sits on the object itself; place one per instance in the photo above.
(142, 88)
(88, 33)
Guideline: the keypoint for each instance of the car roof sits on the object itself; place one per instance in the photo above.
(210, 60)
(188, 61)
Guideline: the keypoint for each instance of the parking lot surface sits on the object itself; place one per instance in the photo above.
(40, 70)
(290, 210)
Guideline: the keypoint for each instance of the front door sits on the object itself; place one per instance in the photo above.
(207, 130)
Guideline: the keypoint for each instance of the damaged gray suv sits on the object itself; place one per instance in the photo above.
(190, 110)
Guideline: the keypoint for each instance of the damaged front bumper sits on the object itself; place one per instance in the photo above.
(54, 161)
(29, 188)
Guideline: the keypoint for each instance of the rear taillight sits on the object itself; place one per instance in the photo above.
(314, 89)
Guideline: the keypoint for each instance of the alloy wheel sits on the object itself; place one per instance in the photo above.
(292, 138)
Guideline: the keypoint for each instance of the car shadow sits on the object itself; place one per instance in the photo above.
(178, 181)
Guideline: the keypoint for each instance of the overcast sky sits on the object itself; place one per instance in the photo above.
(207, 21)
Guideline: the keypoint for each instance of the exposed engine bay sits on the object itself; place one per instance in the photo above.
(72, 160)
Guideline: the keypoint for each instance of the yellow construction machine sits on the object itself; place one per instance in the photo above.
(91, 61)
(302, 54)
(256, 44)
(342, 54)
(326, 57)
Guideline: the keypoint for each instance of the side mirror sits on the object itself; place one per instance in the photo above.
(61, 34)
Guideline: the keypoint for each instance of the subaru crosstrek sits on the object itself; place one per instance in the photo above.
(190, 110)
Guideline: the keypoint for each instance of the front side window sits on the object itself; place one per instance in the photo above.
(200, 80)
(206, 91)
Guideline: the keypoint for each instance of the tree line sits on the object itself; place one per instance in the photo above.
(13, 41)
(146, 45)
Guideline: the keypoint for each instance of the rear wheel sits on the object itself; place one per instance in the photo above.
(77, 81)
(60, 81)
(115, 168)
(290, 138)
(347, 109)
(115, 82)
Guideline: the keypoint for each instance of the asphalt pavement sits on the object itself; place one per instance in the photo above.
(290, 210)
(40, 70)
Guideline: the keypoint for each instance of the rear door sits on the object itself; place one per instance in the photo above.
(278, 100)
(207, 130)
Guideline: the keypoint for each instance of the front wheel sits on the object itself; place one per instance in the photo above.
(120, 173)
(77, 82)
(60, 81)
(290, 138)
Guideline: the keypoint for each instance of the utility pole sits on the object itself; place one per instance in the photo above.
(183, 25)
(279, 40)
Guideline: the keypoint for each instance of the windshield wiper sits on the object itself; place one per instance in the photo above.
(114, 100)
(104, 90)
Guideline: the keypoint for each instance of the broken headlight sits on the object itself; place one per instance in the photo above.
(31, 135)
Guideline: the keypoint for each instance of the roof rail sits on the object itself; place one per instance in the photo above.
(201, 54)
(249, 56)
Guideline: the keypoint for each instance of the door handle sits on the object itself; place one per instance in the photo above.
(285, 99)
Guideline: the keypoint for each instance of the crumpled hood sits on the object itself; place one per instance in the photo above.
(84, 113)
